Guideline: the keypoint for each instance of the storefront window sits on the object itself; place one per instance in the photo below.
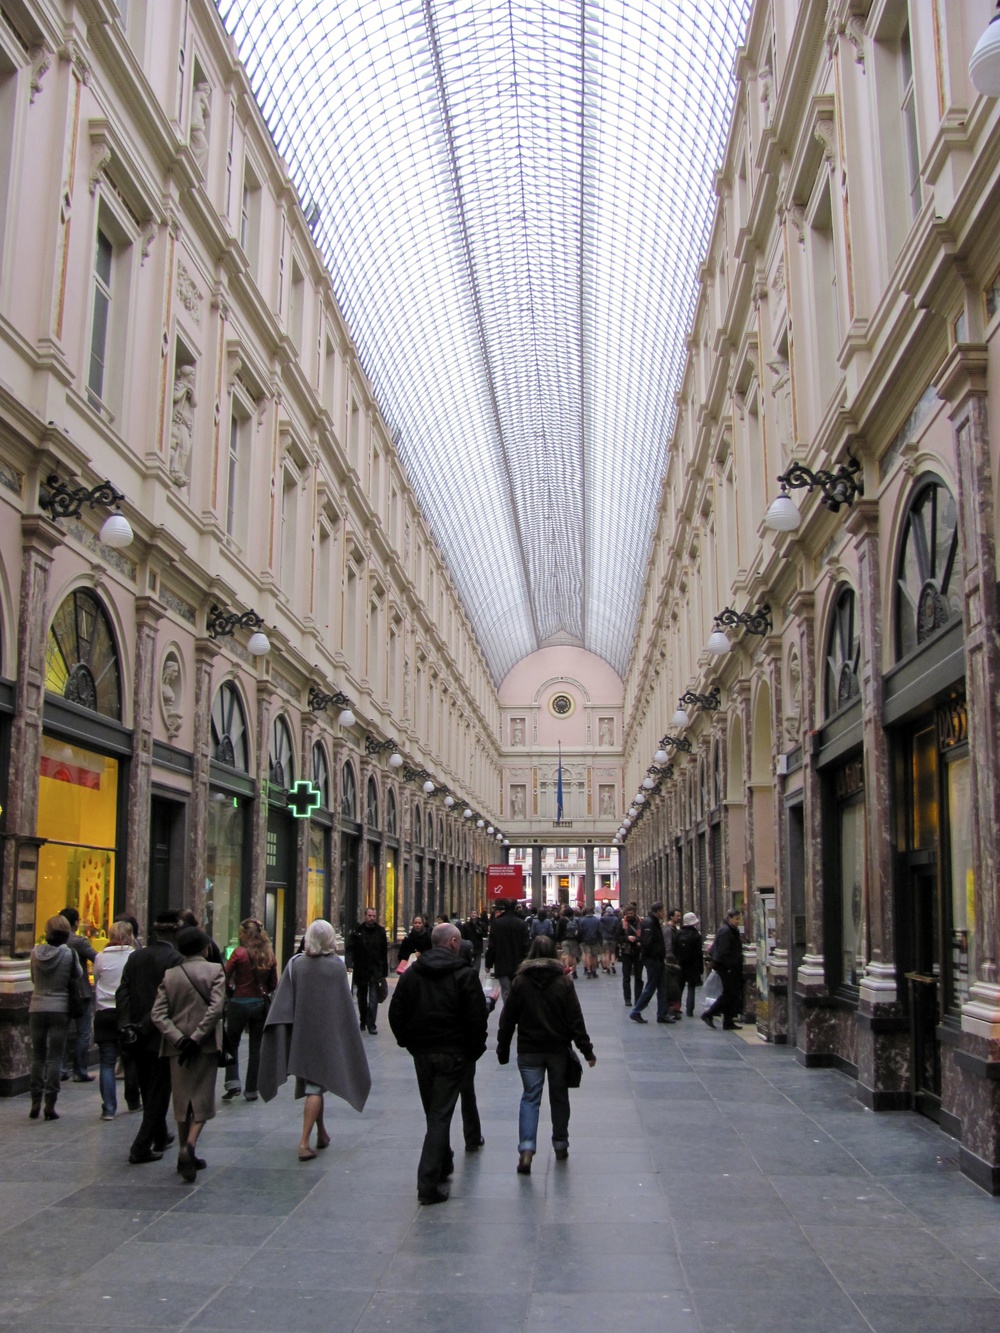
(281, 757)
(390, 815)
(316, 886)
(78, 814)
(929, 573)
(224, 868)
(349, 793)
(843, 654)
(963, 963)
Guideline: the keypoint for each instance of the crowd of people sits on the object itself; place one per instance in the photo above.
(169, 1013)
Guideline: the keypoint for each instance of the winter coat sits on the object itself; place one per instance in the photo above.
(85, 951)
(417, 941)
(475, 932)
(688, 950)
(312, 1033)
(611, 928)
(439, 1007)
(367, 952)
(544, 1008)
(540, 927)
(54, 968)
(507, 945)
(726, 952)
(181, 1008)
(631, 928)
(651, 941)
(590, 931)
(136, 994)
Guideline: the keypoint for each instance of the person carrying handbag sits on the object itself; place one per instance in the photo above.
(188, 1012)
(251, 980)
(55, 977)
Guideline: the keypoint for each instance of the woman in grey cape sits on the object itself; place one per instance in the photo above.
(312, 1033)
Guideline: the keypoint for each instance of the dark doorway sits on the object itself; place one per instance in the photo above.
(796, 911)
(922, 952)
(166, 856)
(279, 885)
(349, 857)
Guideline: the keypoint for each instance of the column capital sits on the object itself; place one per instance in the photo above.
(963, 376)
(862, 521)
(40, 535)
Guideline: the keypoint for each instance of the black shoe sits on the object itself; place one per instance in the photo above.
(36, 1110)
(163, 1144)
(707, 1018)
(230, 1093)
(373, 1030)
(562, 1154)
(83, 1078)
(65, 1076)
(474, 1147)
(150, 1155)
(449, 1168)
(186, 1165)
(440, 1195)
(637, 1018)
(362, 1024)
(668, 1019)
(134, 1106)
(524, 1162)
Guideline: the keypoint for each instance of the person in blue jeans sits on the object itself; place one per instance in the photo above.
(251, 979)
(107, 978)
(544, 1009)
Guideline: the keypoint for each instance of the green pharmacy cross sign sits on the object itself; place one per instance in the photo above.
(303, 799)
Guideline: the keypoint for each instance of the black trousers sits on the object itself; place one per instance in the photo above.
(730, 1002)
(440, 1075)
(154, 1088)
(631, 976)
(472, 1130)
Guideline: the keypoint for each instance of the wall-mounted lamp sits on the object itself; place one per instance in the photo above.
(839, 488)
(984, 66)
(499, 837)
(639, 798)
(710, 702)
(449, 801)
(676, 742)
(754, 622)
(222, 624)
(61, 500)
(480, 823)
(318, 701)
(466, 813)
(374, 747)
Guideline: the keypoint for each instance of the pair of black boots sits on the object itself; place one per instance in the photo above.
(50, 1109)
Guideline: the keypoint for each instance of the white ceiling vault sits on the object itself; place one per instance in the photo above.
(513, 199)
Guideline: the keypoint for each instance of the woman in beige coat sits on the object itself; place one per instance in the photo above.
(188, 1011)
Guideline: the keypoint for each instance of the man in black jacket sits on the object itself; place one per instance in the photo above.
(507, 946)
(726, 954)
(367, 952)
(438, 1012)
(141, 977)
(653, 948)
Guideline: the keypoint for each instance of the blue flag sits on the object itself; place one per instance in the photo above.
(559, 795)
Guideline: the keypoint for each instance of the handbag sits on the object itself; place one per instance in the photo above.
(574, 1069)
(227, 1052)
(382, 990)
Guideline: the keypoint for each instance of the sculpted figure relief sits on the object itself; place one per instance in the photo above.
(182, 425)
(201, 114)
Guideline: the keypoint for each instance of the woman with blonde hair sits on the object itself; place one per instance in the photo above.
(108, 968)
(311, 1033)
(251, 980)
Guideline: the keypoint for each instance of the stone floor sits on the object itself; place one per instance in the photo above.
(712, 1184)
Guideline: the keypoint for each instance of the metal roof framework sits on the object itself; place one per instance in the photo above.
(513, 200)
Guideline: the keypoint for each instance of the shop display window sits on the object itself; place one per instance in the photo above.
(316, 886)
(78, 814)
(963, 898)
(853, 894)
(227, 817)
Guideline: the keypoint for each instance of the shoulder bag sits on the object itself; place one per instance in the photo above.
(77, 988)
(574, 1069)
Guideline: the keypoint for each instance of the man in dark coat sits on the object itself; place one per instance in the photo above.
(438, 1012)
(77, 1046)
(508, 944)
(726, 954)
(367, 952)
(475, 930)
(631, 955)
(140, 981)
(653, 948)
(688, 949)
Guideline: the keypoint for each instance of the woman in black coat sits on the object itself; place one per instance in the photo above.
(689, 952)
(544, 1009)
(417, 941)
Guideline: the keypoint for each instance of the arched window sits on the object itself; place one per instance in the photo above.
(321, 774)
(418, 827)
(843, 653)
(440, 841)
(348, 792)
(281, 759)
(928, 573)
(81, 660)
(372, 803)
(229, 729)
(716, 776)
(390, 814)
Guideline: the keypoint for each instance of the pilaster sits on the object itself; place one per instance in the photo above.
(148, 614)
(205, 653)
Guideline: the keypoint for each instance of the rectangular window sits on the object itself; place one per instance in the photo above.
(101, 324)
(289, 528)
(238, 475)
(324, 557)
(250, 215)
(908, 111)
(296, 307)
(330, 378)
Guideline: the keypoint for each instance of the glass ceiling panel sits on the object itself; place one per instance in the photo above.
(514, 199)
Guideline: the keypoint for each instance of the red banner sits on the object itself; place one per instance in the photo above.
(504, 882)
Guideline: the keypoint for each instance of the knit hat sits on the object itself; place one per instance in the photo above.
(690, 919)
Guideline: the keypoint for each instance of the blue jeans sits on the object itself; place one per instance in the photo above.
(106, 1036)
(533, 1069)
(656, 981)
(242, 1015)
(48, 1038)
(77, 1046)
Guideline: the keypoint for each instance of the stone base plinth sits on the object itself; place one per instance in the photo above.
(15, 1051)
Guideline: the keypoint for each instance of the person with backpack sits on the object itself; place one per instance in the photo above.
(568, 939)
(542, 926)
(591, 941)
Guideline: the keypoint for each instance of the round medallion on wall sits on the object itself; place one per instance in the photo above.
(561, 705)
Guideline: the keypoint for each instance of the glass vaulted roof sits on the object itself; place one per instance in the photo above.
(513, 197)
